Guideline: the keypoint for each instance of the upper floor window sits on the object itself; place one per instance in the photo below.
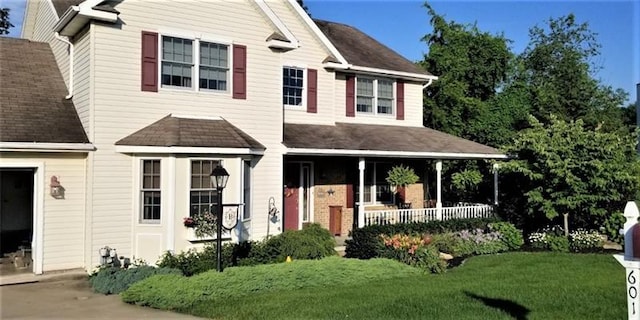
(374, 96)
(292, 86)
(150, 191)
(214, 66)
(180, 64)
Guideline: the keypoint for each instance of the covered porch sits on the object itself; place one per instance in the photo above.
(327, 167)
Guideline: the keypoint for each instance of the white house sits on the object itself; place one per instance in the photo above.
(115, 112)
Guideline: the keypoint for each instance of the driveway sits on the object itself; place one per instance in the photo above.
(70, 299)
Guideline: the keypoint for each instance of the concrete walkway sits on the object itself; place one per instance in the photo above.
(70, 299)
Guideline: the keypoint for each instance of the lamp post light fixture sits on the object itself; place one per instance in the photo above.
(219, 178)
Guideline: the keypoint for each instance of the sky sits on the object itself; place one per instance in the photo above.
(400, 24)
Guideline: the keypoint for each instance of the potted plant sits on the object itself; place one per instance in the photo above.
(399, 177)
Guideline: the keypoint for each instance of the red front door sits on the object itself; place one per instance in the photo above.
(291, 208)
(291, 196)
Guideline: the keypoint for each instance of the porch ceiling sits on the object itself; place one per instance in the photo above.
(382, 141)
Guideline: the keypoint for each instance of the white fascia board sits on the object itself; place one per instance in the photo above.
(182, 150)
(79, 16)
(277, 23)
(46, 147)
(305, 17)
(393, 154)
(376, 71)
(66, 17)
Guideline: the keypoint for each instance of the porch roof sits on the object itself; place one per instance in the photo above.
(350, 139)
(175, 131)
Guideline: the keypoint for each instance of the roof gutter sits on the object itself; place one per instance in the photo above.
(46, 147)
(394, 154)
(377, 71)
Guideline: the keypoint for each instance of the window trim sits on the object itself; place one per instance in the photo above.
(375, 113)
(305, 79)
(141, 190)
(196, 38)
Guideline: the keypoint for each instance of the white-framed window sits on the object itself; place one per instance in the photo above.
(185, 59)
(293, 87)
(150, 194)
(375, 183)
(246, 189)
(202, 194)
(374, 96)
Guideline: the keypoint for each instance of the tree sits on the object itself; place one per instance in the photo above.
(5, 25)
(471, 65)
(559, 72)
(565, 168)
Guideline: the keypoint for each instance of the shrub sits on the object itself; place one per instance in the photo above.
(312, 242)
(479, 242)
(548, 241)
(113, 280)
(509, 234)
(428, 259)
(172, 292)
(585, 241)
(365, 243)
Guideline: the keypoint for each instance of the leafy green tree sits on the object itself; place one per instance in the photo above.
(559, 72)
(5, 25)
(565, 168)
(471, 64)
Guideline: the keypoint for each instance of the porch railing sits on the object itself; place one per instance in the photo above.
(393, 216)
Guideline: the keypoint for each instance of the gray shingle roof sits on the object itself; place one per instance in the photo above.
(361, 50)
(172, 131)
(346, 136)
(32, 91)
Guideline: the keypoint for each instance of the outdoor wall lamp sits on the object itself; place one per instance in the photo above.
(219, 178)
(56, 190)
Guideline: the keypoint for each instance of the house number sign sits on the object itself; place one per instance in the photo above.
(630, 262)
(632, 292)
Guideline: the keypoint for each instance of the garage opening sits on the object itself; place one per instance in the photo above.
(16, 220)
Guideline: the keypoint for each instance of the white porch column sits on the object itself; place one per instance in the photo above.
(439, 190)
(495, 183)
(361, 193)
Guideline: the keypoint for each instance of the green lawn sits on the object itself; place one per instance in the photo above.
(507, 286)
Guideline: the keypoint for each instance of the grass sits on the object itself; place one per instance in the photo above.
(508, 286)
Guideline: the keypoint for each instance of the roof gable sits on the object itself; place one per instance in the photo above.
(33, 107)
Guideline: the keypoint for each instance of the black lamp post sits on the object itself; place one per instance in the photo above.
(219, 178)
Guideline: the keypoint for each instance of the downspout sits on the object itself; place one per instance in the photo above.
(60, 38)
(427, 84)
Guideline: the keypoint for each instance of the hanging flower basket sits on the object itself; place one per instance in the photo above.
(189, 222)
